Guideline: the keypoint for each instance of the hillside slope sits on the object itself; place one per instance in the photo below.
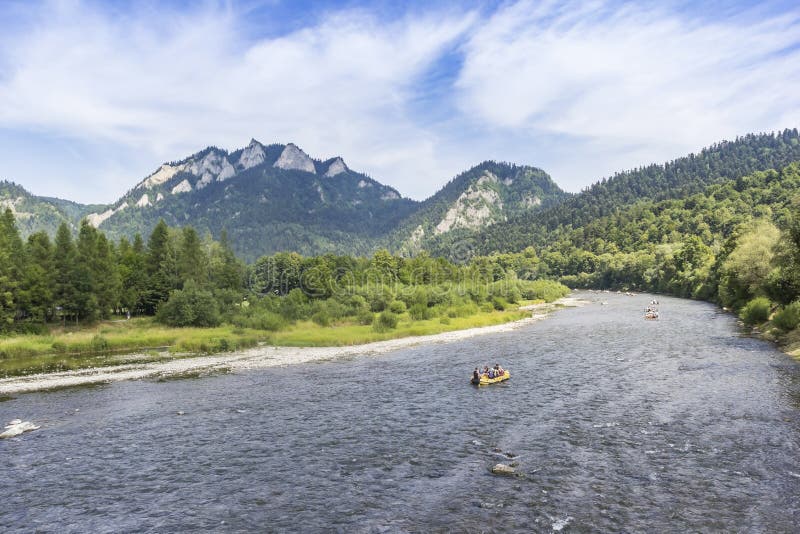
(677, 179)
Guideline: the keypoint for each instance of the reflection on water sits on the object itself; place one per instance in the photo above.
(616, 424)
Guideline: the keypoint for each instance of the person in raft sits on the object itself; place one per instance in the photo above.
(476, 376)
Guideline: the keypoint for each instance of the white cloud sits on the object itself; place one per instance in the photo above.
(580, 89)
(614, 76)
(167, 83)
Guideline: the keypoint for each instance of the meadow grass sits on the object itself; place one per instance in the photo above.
(142, 340)
(309, 334)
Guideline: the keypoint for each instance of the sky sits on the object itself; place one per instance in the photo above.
(95, 95)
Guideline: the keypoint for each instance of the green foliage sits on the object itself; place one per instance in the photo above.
(397, 306)
(419, 311)
(365, 317)
(99, 344)
(321, 318)
(386, 321)
(756, 311)
(190, 306)
(499, 303)
(788, 317)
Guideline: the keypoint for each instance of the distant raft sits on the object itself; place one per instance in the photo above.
(485, 380)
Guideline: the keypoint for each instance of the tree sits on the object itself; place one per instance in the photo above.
(11, 259)
(192, 260)
(161, 266)
(746, 269)
(85, 300)
(38, 282)
(64, 290)
(107, 281)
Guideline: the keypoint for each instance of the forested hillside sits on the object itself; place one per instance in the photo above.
(677, 179)
(486, 194)
(35, 213)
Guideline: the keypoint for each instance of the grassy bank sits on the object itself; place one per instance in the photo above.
(143, 340)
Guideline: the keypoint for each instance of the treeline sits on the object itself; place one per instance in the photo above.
(86, 278)
(184, 280)
(380, 290)
(677, 179)
(737, 243)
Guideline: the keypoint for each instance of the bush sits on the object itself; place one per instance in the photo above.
(59, 346)
(99, 343)
(294, 305)
(787, 318)
(386, 321)
(499, 303)
(322, 318)
(756, 311)
(549, 290)
(260, 320)
(365, 317)
(190, 306)
(397, 306)
(419, 312)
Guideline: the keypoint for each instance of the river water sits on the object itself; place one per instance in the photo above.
(616, 424)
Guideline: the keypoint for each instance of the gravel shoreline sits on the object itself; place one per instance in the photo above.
(257, 358)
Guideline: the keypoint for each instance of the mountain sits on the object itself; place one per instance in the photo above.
(677, 179)
(271, 198)
(267, 198)
(485, 195)
(34, 213)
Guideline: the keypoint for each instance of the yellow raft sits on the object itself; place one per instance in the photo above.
(485, 380)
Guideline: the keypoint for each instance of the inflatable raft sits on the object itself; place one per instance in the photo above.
(485, 380)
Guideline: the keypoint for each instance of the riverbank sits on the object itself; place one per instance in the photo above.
(259, 357)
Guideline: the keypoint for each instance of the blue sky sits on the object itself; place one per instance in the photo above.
(96, 95)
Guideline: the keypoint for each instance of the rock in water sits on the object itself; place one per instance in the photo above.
(503, 469)
(17, 427)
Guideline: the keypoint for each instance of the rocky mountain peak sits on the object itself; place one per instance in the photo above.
(336, 167)
(252, 155)
(292, 158)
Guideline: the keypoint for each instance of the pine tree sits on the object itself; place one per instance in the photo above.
(192, 260)
(38, 281)
(64, 262)
(162, 269)
(227, 272)
(107, 277)
(8, 274)
(86, 302)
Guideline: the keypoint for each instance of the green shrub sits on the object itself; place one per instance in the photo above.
(506, 290)
(365, 317)
(99, 343)
(549, 290)
(295, 305)
(499, 303)
(419, 311)
(322, 318)
(190, 306)
(756, 311)
(788, 317)
(386, 321)
(261, 320)
(59, 346)
(444, 320)
(397, 306)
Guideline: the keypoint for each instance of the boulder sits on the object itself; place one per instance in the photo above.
(17, 427)
(503, 469)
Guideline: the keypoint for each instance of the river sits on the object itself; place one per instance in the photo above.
(615, 423)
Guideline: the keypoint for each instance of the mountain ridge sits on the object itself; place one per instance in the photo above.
(271, 198)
